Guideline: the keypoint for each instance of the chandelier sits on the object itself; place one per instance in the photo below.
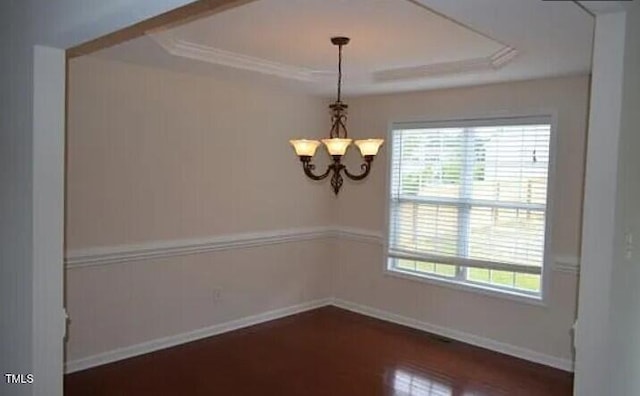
(338, 141)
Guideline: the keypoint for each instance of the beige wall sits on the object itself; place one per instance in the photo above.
(120, 305)
(361, 278)
(155, 156)
(158, 156)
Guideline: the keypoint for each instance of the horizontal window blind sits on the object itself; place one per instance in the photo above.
(470, 195)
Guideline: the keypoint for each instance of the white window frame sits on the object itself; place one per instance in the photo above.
(458, 282)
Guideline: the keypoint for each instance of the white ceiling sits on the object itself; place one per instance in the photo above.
(397, 45)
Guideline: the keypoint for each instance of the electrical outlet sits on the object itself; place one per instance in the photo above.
(629, 247)
(216, 294)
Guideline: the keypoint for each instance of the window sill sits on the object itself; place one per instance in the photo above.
(468, 287)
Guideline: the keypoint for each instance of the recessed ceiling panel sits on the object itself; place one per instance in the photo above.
(396, 45)
(386, 34)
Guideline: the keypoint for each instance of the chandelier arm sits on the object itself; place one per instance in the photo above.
(335, 130)
(338, 125)
(365, 167)
(344, 127)
(308, 168)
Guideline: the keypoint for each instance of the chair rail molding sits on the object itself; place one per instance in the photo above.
(179, 247)
(105, 255)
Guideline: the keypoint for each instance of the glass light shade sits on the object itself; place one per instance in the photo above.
(369, 146)
(336, 146)
(304, 147)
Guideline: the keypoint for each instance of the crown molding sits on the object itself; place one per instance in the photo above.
(492, 62)
(190, 50)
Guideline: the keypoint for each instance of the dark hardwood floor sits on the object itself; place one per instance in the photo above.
(327, 351)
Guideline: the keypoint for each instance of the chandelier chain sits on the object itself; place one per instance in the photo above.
(339, 72)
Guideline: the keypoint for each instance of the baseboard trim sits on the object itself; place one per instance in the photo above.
(482, 342)
(178, 339)
(170, 341)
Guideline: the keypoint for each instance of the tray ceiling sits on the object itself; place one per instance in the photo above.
(396, 45)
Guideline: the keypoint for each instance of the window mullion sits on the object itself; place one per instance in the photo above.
(464, 213)
(396, 140)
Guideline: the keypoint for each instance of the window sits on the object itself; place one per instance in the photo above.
(468, 202)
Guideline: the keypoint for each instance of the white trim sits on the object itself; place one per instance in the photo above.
(599, 218)
(566, 263)
(180, 247)
(473, 287)
(359, 235)
(204, 53)
(98, 256)
(178, 339)
(176, 46)
(548, 259)
(561, 263)
(501, 118)
(462, 262)
(48, 219)
(491, 62)
(482, 342)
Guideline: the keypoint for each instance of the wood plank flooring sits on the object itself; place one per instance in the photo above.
(325, 352)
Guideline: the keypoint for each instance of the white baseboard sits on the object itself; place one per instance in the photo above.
(486, 343)
(167, 342)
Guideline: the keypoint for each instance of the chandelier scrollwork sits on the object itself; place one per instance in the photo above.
(338, 141)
